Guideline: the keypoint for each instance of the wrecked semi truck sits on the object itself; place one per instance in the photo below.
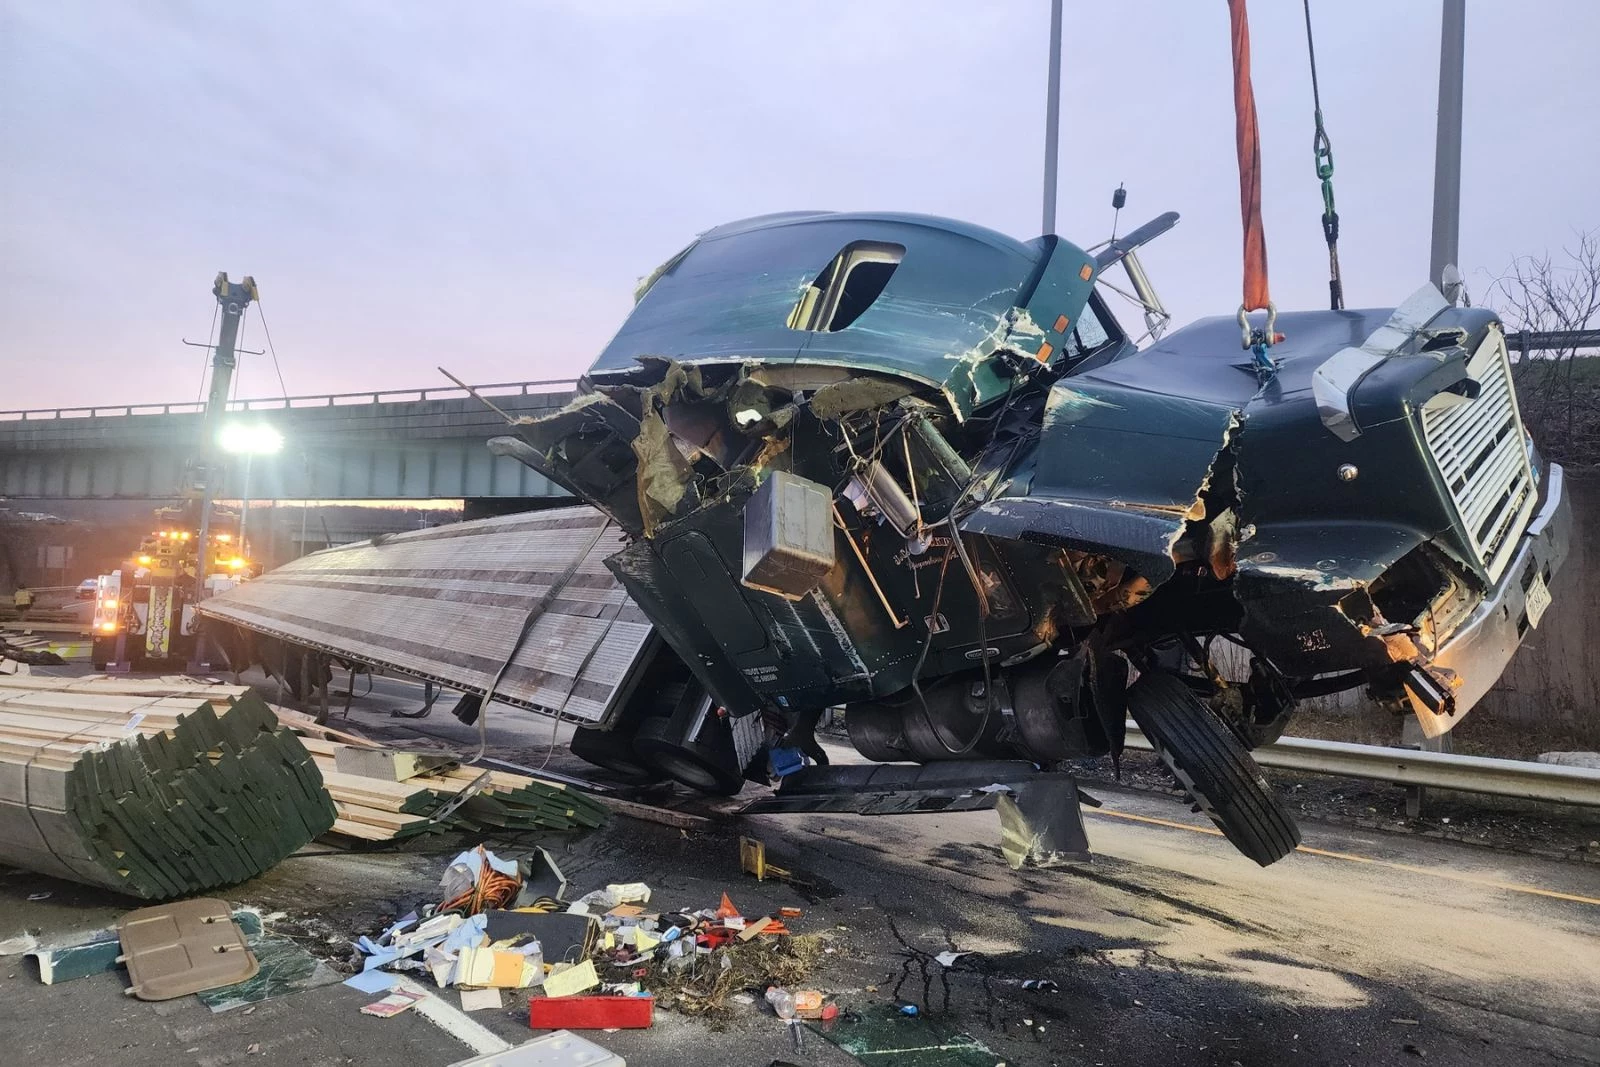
(916, 468)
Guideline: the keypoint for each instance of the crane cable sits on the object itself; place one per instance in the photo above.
(1247, 137)
(1322, 150)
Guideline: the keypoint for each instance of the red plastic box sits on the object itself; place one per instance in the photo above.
(591, 1013)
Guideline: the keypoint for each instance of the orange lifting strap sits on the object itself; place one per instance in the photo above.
(1248, 136)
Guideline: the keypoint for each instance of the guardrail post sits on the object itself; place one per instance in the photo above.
(1411, 737)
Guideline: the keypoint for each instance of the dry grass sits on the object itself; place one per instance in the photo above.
(706, 988)
(1479, 734)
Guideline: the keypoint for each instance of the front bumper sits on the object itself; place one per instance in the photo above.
(1480, 649)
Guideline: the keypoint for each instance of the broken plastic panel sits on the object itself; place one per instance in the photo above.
(173, 950)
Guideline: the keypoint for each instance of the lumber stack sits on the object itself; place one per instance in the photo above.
(121, 785)
(374, 809)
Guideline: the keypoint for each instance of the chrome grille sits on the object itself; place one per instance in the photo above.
(1482, 455)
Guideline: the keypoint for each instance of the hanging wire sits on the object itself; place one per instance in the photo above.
(262, 313)
(1322, 151)
(305, 456)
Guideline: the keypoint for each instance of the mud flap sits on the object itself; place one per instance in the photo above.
(1041, 823)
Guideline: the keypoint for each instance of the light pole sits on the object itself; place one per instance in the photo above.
(1052, 119)
(1446, 250)
(248, 440)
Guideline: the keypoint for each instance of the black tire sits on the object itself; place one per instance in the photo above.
(613, 750)
(1214, 766)
(702, 766)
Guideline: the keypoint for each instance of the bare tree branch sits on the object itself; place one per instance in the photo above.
(1559, 389)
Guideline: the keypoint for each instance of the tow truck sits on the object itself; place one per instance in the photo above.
(144, 614)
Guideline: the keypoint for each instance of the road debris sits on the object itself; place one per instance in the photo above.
(379, 809)
(591, 1012)
(391, 1005)
(172, 950)
(889, 1034)
(151, 796)
(490, 931)
(480, 999)
(753, 860)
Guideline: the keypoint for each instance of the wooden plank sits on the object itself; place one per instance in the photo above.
(188, 794)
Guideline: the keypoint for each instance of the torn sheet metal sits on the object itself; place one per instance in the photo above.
(447, 604)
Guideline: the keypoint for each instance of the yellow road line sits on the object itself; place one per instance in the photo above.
(1487, 883)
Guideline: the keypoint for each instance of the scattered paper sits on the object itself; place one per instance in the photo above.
(392, 1005)
(442, 965)
(576, 979)
(479, 999)
(372, 981)
(948, 959)
(469, 934)
(488, 967)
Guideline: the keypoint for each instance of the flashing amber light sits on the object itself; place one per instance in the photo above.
(236, 563)
(111, 603)
(184, 536)
(108, 627)
(224, 538)
(144, 561)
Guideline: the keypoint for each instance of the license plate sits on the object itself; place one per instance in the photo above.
(1538, 599)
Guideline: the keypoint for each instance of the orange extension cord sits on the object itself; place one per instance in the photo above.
(492, 890)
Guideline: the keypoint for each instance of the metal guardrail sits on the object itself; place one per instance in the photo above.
(1439, 770)
(1551, 340)
(283, 403)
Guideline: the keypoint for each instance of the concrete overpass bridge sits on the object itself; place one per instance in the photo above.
(416, 444)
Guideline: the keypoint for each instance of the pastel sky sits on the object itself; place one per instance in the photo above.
(480, 186)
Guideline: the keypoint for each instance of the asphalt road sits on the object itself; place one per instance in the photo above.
(1169, 949)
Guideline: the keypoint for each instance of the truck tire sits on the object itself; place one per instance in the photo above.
(1214, 766)
(706, 766)
(613, 750)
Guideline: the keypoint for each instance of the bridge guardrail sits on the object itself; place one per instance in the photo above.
(285, 403)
